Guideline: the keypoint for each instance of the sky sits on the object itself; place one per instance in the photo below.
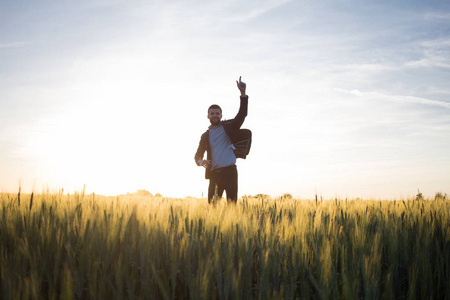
(347, 98)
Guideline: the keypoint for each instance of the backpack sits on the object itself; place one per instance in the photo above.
(242, 142)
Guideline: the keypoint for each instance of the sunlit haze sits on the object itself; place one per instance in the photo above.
(346, 98)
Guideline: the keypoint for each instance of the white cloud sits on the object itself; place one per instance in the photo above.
(437, 16)
(435, 53)
(255, 9)
(395, 98)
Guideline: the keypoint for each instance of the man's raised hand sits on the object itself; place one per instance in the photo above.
(241, 86)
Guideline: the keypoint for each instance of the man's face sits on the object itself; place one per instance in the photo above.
(214, 116)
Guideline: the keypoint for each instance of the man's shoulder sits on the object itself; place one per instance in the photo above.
(205, 134)
(229, 125)
(227, 122)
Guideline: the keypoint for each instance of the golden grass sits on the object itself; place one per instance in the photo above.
(134, 247)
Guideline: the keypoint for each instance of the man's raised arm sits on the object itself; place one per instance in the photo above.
(241, 86)
(242, 113)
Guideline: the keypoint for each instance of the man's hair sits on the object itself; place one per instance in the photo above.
(214, 106)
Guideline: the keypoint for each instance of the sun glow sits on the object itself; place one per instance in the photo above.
(105, 143)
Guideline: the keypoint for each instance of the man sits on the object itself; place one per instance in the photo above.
(217, 141)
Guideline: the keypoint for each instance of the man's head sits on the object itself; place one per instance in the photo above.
(214, 114)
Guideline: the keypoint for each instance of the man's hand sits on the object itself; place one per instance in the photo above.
(241, 86)
(205, 163)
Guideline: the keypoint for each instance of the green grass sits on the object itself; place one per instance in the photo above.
(56, 246)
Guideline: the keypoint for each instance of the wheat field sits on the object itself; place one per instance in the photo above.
(60, 246)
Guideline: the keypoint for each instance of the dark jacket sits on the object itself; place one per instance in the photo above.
(232, 129)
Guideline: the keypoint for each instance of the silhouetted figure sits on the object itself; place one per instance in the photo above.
(223, 142)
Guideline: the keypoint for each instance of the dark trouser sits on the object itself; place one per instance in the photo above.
(226, 179)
